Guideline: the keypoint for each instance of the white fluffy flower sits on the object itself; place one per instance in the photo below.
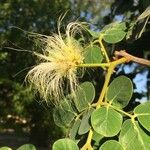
(58, 64)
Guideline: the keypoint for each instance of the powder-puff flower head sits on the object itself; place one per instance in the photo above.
(58, 64)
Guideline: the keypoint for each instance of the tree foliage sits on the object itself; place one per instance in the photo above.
(42, 16)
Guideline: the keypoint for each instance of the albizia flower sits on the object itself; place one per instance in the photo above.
(58, 64)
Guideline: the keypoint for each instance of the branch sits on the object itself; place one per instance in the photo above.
(129, 57)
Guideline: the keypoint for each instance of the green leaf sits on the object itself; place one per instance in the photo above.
(27, 147)
(133, 137)
(114, 36)
(94, 34)
(114, 25)
(120, 91)
(111, 145)
(65, 144)
(143, 114)
(85, 94)
(74, 129)
(63, 114)
(114, 32)
(5, 148)
(85, 125)
(106, 121)
(93, 55)
(97, 137)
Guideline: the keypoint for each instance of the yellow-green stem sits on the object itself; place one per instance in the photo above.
(103, 49)
(107, 79)
(107, 104)
(94, 65)
(100, 102)
(123, 112)
(87, 145)
(90, 137)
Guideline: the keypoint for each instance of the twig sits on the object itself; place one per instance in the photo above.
(129, 57)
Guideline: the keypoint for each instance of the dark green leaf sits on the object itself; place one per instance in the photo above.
(84, 96)
(106, 121)
(85, 125)
(63, 114)
(93, 55)
(74, 129)
(65, 144)
(97, 137)
(120, 91)
(130, 30)
(143, 114)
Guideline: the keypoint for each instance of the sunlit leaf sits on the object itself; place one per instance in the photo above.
(27, 147)
(120, 91)
(114, 36)
(106, 121)
(65, 144)
(143, 114)
(114, 32)
(111, 145)
(5, 148)
(114, 25)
